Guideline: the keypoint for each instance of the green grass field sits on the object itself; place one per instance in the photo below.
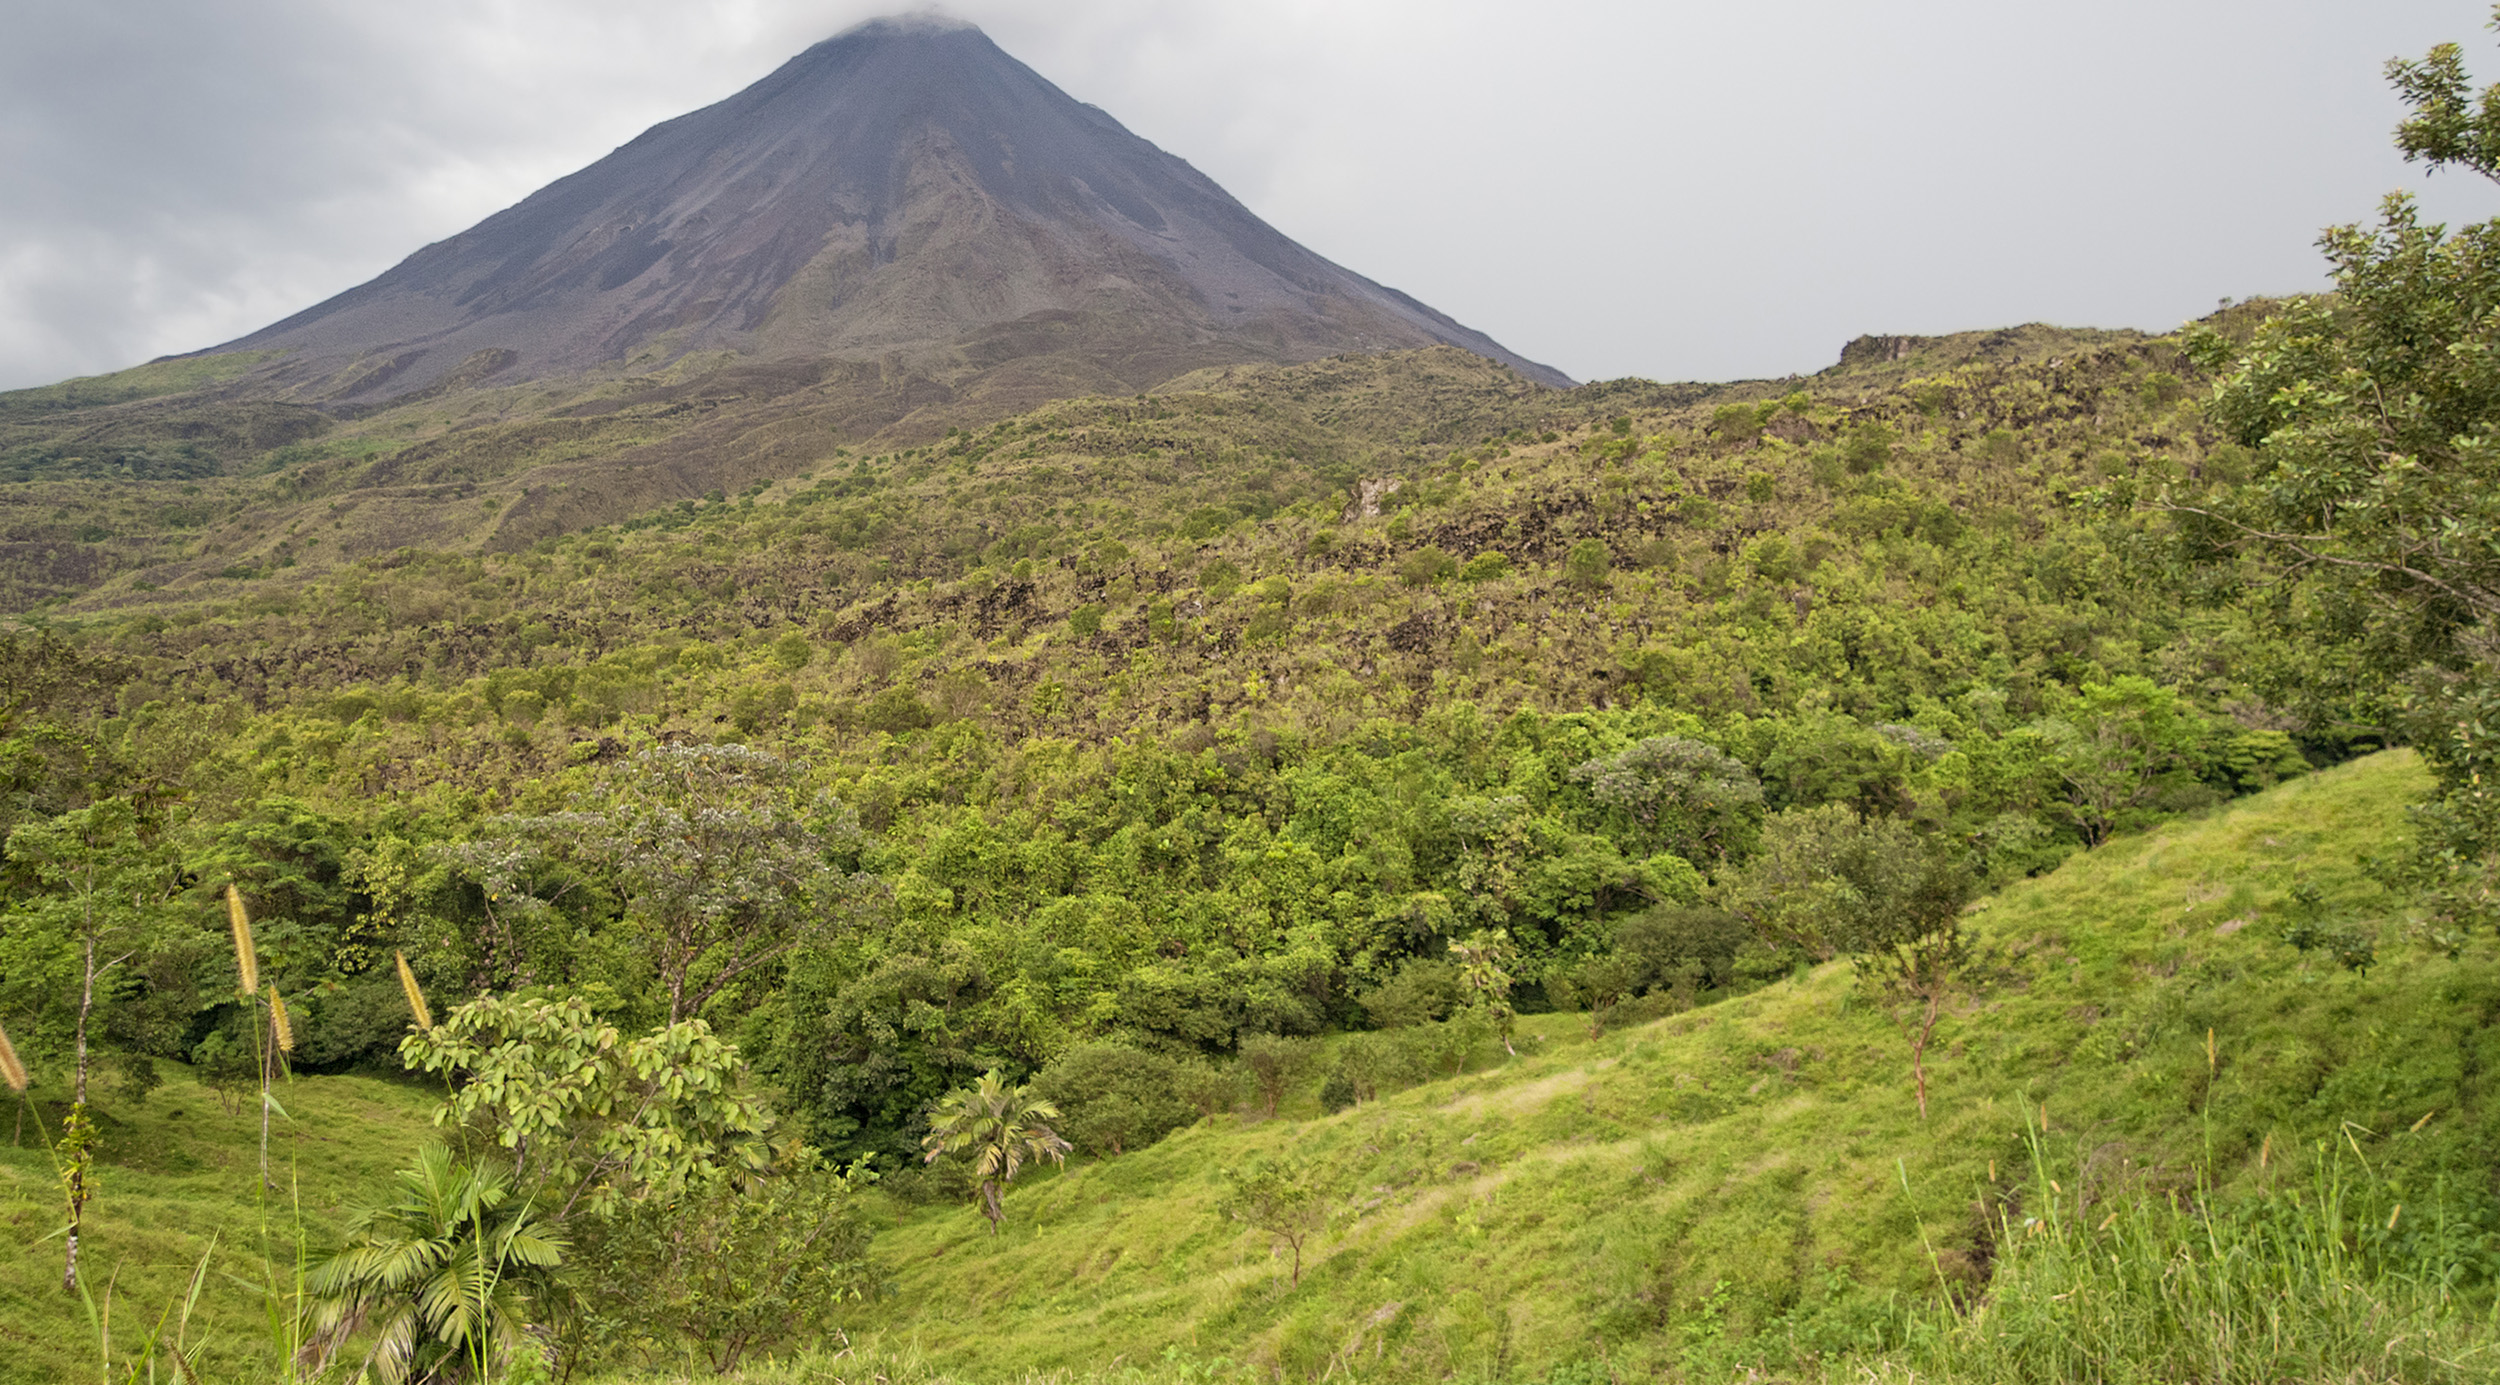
(1752, 1180)
(1747, 1185)
(178, 1172)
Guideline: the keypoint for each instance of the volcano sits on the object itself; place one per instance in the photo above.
(904, 192)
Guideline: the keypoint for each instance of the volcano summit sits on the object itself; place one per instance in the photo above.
(903, 190)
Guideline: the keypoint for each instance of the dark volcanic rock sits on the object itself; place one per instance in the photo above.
(904, 188)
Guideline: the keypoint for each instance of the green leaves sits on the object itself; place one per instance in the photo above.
(1281, 1197)
(589, 1116)
(448, 1274)
(999, 1129)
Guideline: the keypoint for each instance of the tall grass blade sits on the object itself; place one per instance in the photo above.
(11, 1070)
(246, 961)
(416, 997)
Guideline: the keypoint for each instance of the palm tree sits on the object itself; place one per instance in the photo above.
(448, 1274)
(1001, 1128)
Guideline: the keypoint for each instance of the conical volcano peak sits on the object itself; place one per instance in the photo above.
(919, 23)
(904, 186)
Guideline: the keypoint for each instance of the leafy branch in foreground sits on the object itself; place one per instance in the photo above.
(2373, 510)
(589, 1117)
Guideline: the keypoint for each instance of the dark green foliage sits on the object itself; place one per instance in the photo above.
(1276, 1064)
(1113, 1099)
(729, 1270)
(1338, 1092)
(1422, 990)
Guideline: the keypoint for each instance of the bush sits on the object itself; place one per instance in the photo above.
(1588, 564)
(1488, 566)
(1276, 1063)
(1423, 990)
(896, 710)
(1113, 1099)
(1445, 1047)
(1337, 1093)
(728, 1270)
(1866, 448)
(1427, 566)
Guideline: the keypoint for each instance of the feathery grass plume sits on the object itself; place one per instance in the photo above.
(278, 1023)
(245, 959)
(11, 1070)
(416, 998)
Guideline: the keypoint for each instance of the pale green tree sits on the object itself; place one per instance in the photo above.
(1871, 889)
(1000, 1129)
(104, 899)
(1281, 1197)
(448, 1275)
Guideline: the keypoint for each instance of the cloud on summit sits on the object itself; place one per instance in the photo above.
(1671, 188)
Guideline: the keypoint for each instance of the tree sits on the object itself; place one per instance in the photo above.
(1275, 1063)
(103, 900)
(2373, 416)
(735, 1267)
(1002, 1129)
(450, 1275)
(2118, 745)
(1116, 1098)
(1281, 1198)
(1869, 889)
(589, 1117)
(721, 868)
(1484, 962)
(1588, 564)
(1689, 798)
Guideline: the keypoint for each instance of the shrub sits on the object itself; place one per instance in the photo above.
(1276, 1063)
(1488, 566)
(895, 710)
(1423, 990)
(1427, 566)
(1588, 564)
(1866, 448)
(1113, 1099)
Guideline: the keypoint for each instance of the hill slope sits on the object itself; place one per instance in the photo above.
(1753, 1177)
(1741, 1184)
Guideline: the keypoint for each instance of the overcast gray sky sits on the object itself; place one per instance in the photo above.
(1674, 189)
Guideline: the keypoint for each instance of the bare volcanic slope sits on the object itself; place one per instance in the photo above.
(905, 188)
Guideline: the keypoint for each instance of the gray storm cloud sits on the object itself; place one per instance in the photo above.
(1678, 190)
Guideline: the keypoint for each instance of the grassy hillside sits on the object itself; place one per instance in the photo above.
(1747, 1183)
(1751, 1181)
(179, 1178)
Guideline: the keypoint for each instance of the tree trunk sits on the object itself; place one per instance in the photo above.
(74, 1135)
(1918, 1050)
(77, 1202)
(77, 1138)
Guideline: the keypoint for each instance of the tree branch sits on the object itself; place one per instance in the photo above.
(2299, 543)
